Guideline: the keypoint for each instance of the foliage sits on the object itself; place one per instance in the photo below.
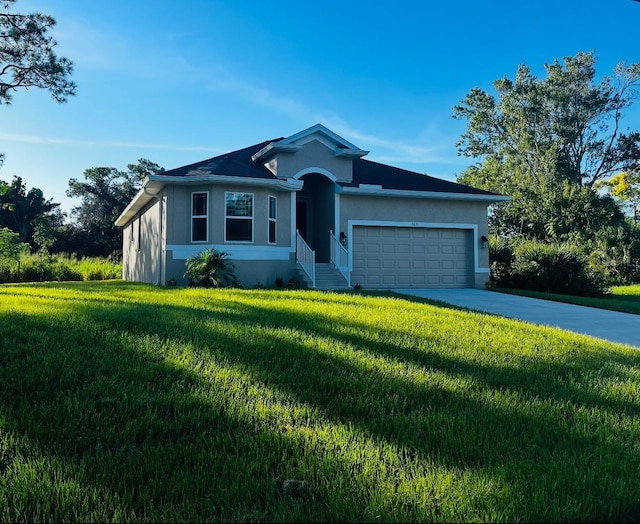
(539, 266)
(625, 187)
(105, 193)
(11, 246)
(547, 142)
(614, 251)
(27, 213)
(211, 268)
(27, 57)
(133, 403)
(41, 267)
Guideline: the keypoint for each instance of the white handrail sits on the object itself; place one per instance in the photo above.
(306, 257)
(339, 257)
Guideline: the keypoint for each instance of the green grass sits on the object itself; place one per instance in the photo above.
(35, 267)
(625, 299)
(126, 402)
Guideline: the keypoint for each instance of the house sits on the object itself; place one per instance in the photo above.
(309, 207)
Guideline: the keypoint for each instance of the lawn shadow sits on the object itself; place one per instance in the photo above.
(426, 422)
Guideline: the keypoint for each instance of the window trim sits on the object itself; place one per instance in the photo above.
(273, 219)
(205, 217)
(227, 217)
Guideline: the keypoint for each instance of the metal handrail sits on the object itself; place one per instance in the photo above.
(306, 257)
(339, 257)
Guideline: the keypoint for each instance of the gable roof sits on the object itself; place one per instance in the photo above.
(248, 162)
(339, 146)
(247, 165)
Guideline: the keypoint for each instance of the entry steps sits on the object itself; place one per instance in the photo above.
(327, 278)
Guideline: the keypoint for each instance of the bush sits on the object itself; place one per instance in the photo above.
(549, 268)
(210, 268)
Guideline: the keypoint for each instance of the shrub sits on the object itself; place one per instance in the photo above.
(210, 268)
(549, 268)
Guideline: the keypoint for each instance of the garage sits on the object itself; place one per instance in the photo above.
(387, 257)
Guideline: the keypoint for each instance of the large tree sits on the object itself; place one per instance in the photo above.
(26, 212)
(547, 142)
(27, 57)
(105, 192)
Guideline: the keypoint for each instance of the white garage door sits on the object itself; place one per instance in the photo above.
(399, 257)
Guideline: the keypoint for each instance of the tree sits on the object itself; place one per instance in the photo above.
(27, 58)
(11, 248)
(105, 192)
(548, 142)
(625, 187)
(24, 212)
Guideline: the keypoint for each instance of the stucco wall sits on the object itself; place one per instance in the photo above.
(141, 242)
(249, 272)
(179, 214)
(406, 210)
(255, 262)
(314, 154)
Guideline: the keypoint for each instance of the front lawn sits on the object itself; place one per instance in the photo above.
(132, 403)
(625, 299)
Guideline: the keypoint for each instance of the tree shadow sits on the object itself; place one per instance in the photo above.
(139, 407)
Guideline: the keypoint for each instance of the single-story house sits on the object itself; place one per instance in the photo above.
(309, 207)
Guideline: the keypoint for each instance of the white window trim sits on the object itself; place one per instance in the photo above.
(205, 216)
(253, 202)
(274, 220)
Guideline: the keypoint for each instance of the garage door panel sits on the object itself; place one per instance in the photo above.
(387, 257)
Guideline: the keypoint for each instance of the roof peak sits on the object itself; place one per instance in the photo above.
(293, 143)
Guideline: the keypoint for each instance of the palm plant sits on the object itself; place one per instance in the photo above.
(210, 268)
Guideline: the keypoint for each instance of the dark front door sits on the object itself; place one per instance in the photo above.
(301, 219)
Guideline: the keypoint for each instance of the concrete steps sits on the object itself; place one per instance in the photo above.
(327, 278)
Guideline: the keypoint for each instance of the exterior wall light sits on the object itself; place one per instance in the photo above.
(485, 242)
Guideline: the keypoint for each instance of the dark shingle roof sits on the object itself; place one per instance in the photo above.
(239, 163)
(235, 163)
(390, 177)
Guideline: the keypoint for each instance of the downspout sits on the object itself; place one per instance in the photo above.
(159, 267)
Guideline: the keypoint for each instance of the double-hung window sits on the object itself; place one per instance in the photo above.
(239, 217)
(272, 219)
(199, 216)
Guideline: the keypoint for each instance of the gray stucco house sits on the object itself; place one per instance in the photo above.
(309, 207)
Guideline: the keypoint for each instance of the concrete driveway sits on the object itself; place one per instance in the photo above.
(623, 328)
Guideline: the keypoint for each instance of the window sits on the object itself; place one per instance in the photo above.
(239, 217)
(272, 219)
(199, 216)
(139, 231)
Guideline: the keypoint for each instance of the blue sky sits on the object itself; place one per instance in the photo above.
(178, 82)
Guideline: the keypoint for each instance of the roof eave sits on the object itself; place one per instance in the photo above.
(431, 195)
(149, 190)
(153, 184)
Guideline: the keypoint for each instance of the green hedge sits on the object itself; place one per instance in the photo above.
(545, 267)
